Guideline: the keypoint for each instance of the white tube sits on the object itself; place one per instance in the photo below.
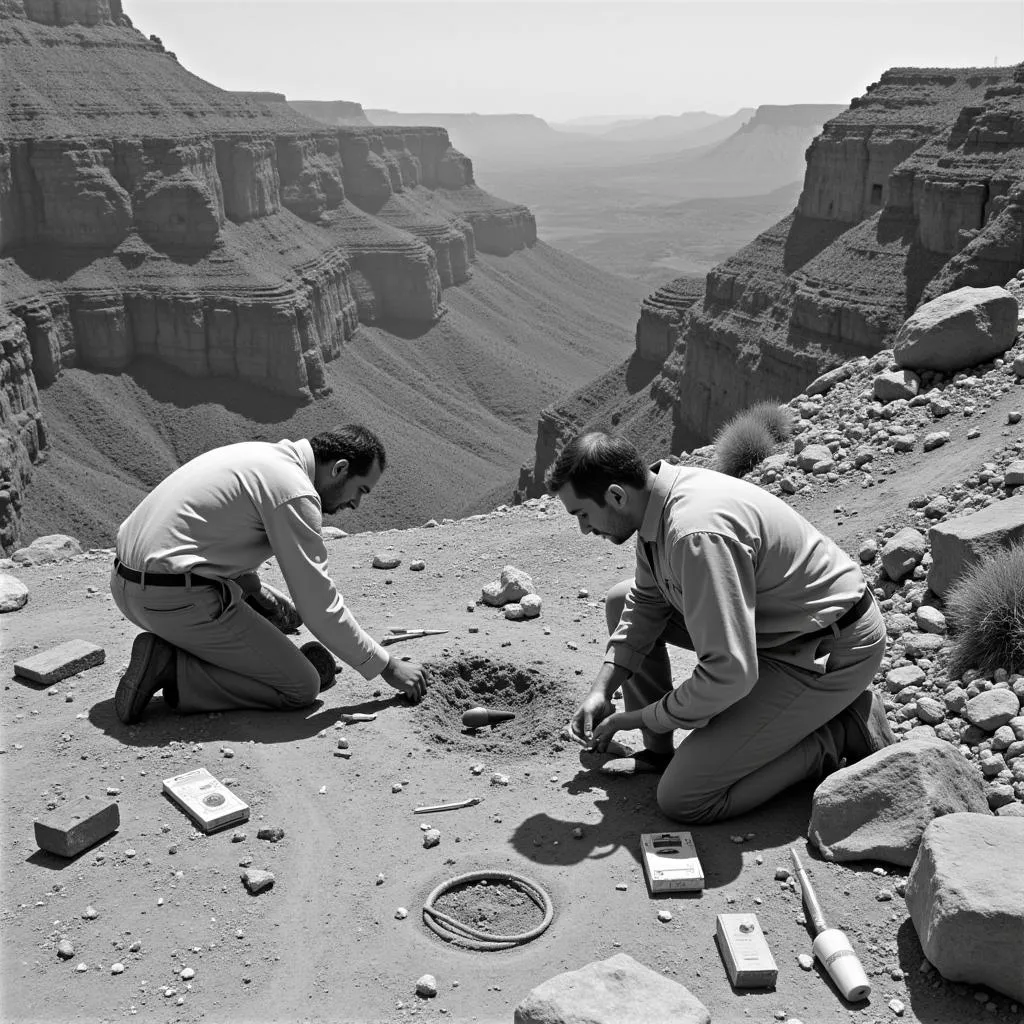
(833, 949)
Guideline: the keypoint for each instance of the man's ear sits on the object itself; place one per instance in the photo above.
(339, 467)
(616, 496)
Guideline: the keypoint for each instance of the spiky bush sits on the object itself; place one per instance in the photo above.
(750, 436)
(986, 611)
(776, 419)
(741, 444)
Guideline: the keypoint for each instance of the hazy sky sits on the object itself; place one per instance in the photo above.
(561, 60)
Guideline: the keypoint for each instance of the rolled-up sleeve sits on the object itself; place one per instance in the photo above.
(643, 618)
(719, 590)
(293, 529)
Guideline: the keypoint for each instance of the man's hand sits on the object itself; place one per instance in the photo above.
(407, 677)
(595, 708)
(619, 722)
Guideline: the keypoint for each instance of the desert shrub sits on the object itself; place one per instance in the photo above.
(741, 444)
(986, 612)
(776, 419)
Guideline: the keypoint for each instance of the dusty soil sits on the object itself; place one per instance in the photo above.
(324, 944)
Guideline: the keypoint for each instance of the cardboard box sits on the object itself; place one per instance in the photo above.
(209, 803)
(745, 952)
(76, 826)
(670, 861)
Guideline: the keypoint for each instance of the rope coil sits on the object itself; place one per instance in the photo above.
(453, 930)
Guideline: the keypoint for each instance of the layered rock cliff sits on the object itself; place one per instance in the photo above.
(917, 188)
(146, 212)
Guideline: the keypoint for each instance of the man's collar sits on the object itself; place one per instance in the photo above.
(656, 503)
(308, 459)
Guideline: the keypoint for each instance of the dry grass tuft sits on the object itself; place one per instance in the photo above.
(751, 436)
(986, 611)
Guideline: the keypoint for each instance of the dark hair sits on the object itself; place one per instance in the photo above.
(593, 462)
(359, 446)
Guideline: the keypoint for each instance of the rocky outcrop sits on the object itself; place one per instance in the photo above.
(661, 317)
(148, 213)
(837, 278)
(340, 112)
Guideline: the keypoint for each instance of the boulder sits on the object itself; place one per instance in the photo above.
(618, 990)
(991, 709)
(895, 384)
(512, 585)
(902, 552)
(958, 330)
(812, 455)
(13, 593)
(965, 894)
(54, 547)
(922, 645)
(958, 543)
(878, 808)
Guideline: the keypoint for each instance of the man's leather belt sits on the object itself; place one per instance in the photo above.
(162, 579)
(851, 615)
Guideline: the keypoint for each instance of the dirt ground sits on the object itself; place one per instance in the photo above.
(327, 943)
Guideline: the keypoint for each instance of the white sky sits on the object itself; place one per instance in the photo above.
(580, 58)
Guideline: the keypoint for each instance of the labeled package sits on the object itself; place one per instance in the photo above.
(671, 863)
(208, 802)
(748, 960)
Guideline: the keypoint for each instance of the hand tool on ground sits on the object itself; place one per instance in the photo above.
(476, 718)
(357, 716)
(831, 946)
(409, 634)
(447, 807)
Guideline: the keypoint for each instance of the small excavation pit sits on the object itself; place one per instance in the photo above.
(542, 706)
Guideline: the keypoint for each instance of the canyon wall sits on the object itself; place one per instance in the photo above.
(916, 189)
(147, 213)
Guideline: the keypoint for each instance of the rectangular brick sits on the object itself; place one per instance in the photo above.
(67, 659)
(76, 826)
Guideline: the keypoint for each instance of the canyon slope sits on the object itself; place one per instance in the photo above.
(174, 253)
(916, 189)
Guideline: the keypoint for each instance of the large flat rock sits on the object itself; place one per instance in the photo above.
(878, 808)
(965, 894)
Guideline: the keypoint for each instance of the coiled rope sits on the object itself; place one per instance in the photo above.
(453, 930)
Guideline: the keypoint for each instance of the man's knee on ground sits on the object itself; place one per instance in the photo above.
(304, 688)
(614, 602)
(690, 808)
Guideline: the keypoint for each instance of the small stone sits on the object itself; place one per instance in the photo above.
(90, 914)
(135, 946)
(401, 914)
(117, 968)
(227, 752)
(271, 835)
(883, 895)
(187, 974)
(256, 880)
(897, 1006)
(82, 968)
(781, 874)
(497, 779)
(396, 787)
(342, 743)
(322, 791)
(431, 838)
(385, 561)
(806, 961)
(736, 839)
(426, 986)
(665, 916)
(621, 887)
(65, 950)
(238, 837)
(380, 878)
(418, 566)
(113, 791)
(577, 832)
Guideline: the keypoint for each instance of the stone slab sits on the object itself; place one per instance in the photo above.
(66, 659)
(76, 826)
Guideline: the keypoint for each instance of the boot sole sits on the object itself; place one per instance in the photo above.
(131, 698)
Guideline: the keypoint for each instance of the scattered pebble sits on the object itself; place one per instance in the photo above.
(65, 950)
(81, 968)
(897, 1007)
(383, 561)
(806, 961)
(663, 915)
(781, 874)
(117, 968)
(577, 832)
(621, 887)
(342, 743)
(396, 787)
(256, 880)
(418, 566)
(227, 752)
(271, 835)
(426, 986)
(497, 779)
(90, 913)
(380, 878)
(322, 790)
(238, 837)
(431, 838)
(401, 914)
(187, 974)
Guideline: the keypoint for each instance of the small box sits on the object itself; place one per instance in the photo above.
(209, 803)
(75, 827)
(745, 951)
(670, 862)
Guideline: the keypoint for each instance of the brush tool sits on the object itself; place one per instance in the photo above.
(831, 946)
(477, 718)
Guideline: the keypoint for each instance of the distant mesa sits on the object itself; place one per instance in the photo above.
(148, 213)
(916, 189)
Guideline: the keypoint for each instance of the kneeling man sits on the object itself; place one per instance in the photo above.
(187, 559)
(787, 634)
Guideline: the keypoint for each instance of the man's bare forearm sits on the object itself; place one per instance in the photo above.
(609, 679)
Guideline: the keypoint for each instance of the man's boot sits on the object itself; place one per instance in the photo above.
(152, 667)
(865, 726)
(323, 661)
